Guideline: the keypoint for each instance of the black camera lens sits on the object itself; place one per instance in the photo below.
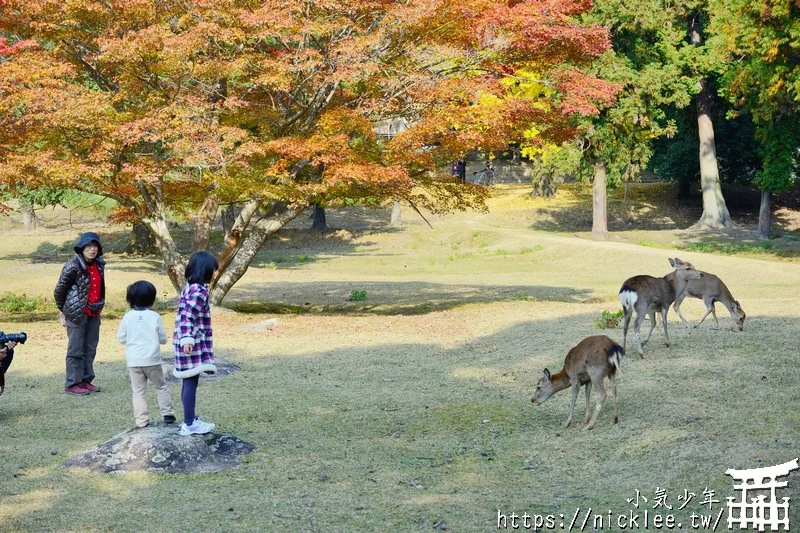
(19, 338)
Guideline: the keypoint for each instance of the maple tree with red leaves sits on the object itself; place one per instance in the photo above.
(181, 107)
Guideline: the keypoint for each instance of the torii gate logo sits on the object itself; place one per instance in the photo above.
(759, 513)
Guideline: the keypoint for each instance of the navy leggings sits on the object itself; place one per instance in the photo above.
(188, 398)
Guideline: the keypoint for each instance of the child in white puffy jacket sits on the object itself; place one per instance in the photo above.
(142, 333)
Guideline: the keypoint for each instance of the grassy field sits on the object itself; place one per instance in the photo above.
(407, 408)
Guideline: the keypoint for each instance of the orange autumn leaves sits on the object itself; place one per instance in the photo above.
(277, 98)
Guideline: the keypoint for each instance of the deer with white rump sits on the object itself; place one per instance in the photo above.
(710, 289)
(587, 364)
(648, 295)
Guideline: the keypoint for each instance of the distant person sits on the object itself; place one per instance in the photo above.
(6, 357)
(462, 170)
(80, 297)
(142, 333)
(489, 172)
(192, 340)
(454, 168)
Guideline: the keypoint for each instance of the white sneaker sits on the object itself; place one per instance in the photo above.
(198, 427)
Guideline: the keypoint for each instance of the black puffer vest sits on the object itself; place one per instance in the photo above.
(72, 289)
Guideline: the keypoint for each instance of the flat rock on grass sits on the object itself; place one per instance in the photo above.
(159, 448)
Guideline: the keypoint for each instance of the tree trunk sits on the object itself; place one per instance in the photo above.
(278, 217)
(174, 262)
(319, 223)
(397, 219)
(156, 222)
(715, 212)
(142, 242)
(228, 219)
(205, 222)
(764, 215)
(599, 211)
(234, 237)
(28, 216)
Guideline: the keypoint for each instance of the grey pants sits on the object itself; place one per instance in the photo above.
(82, 348)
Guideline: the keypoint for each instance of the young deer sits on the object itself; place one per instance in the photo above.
(648, 295)
(711, 289)
(593, 359)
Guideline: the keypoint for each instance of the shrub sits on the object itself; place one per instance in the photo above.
(22, 303)
(531, 249)
(609, 320)
(358, 296)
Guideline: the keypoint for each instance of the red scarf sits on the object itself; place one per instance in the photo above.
(94, 287)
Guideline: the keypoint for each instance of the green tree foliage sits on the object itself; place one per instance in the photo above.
(675, 159)
(647, 64)
(759, 45)
(180, 107)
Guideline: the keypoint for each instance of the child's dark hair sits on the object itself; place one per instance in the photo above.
(141, 294)
(201, 267)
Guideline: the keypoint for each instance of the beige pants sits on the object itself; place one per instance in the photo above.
(139, 376)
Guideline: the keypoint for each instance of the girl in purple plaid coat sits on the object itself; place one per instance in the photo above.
(192, 340)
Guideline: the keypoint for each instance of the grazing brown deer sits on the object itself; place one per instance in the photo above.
(711, 289)
(593, 359)
(648, 295)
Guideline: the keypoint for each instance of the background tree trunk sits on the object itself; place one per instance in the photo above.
(397, 219)
(599, 210)
(319, 223)
(715, 211)
(228, 217)
(278, 217)
(764, 215)
(205, 222)
(142, 241)
(28, 216)
(174, 262)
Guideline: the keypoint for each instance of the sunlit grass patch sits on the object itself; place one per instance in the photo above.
(730, 248)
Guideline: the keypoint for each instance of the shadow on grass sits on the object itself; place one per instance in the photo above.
(290, 248)
(50, 252)
(733, 243)
(397, 427)
(155, 266)
(386, 298)
(648, 206)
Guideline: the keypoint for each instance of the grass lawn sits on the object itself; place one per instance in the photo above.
(407, 408)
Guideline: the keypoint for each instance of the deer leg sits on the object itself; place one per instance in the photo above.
(652, 327)
(612, 378)
(574, 391)
(601, 398)
(626, 319)
(664, 320)
(586, 411)
(709, 310)
(677, 307)
(637, 324)
(714, 313)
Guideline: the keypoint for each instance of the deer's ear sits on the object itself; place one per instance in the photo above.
(546, 374)
(672, 262)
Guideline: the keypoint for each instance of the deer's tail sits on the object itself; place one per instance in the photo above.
(615, 354)
(628, 298)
